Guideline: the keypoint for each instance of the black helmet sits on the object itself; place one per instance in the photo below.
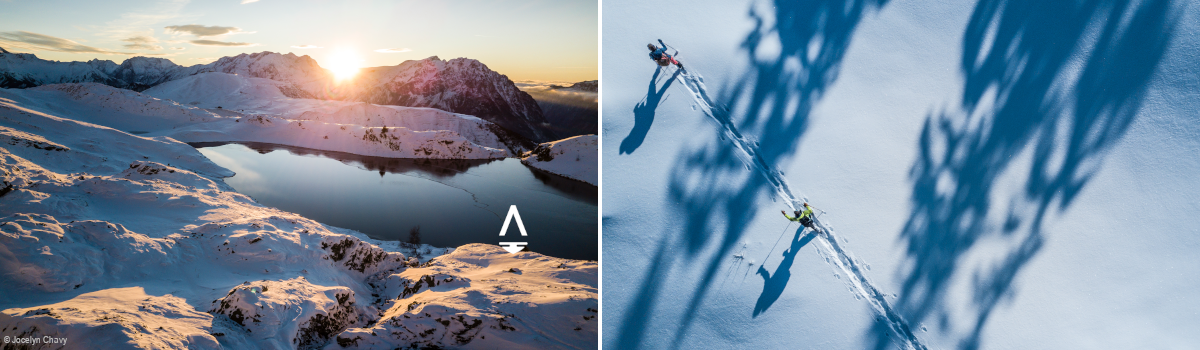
(797, 213)
(652, 47)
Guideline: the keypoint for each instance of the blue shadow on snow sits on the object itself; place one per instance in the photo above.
(773, 284)
(1029, 66)
(643, 113)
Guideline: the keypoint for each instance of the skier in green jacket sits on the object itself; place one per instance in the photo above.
(803, 217)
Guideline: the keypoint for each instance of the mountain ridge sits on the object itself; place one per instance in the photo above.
(459, 85)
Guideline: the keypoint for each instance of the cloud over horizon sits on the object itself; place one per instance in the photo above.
(201, 31)
(558, 92)
(248, 1)
(394, 50)
(142, 42)
(35, 41)
(306, 47)
(219, 43)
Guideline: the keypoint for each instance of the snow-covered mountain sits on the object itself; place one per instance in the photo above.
(23, 70)
(585, 86)
(133, 241)
(300, 75)
(260, 113)
(459, 85)
(354, 127)
(574, 157)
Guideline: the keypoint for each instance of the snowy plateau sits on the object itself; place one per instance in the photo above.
(115, 233)
(988, 175)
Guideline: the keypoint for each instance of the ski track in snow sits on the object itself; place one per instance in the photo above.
(828, 244)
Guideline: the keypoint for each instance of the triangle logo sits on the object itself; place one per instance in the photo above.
(512, 213)
(513, 247)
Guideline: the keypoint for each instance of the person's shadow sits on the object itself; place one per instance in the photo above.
(773, 285)
(643, 114)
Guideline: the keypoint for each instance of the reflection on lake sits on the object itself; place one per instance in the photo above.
(454, 202)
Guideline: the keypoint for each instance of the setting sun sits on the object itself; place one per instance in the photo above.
(344, 64)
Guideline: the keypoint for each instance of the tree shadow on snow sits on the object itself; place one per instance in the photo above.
(643, 113)
(773, 284)
(716, 195)
(1026, 90)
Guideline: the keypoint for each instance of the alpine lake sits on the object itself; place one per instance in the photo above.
(449, 202)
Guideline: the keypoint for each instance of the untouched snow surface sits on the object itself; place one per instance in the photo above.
(573, 157)
(989, 175)
(129, 241)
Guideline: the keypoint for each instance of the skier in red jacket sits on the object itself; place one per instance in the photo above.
(659, 55)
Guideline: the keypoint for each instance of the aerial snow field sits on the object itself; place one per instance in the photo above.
(1000, 174)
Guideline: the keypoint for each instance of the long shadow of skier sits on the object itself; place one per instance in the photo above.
(643, 113)
(773, 284)
(1026, 53)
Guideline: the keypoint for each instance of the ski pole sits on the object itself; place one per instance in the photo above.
(669, 46)
(789, 225)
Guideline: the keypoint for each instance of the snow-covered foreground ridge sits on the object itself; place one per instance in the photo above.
(112, 239)
(844, 261)
(573, 157)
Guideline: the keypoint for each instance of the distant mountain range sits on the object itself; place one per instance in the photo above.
(570, 110)
(459, 85)
(587, 86)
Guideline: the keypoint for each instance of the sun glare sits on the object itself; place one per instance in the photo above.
(344, 64)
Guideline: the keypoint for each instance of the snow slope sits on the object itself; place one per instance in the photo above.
(573, 157)
(117, 108)
(994, 175)
(228, 91)
(326, 125)
(492, 287)
(80, 322)
(353, 127)
(129, 241)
